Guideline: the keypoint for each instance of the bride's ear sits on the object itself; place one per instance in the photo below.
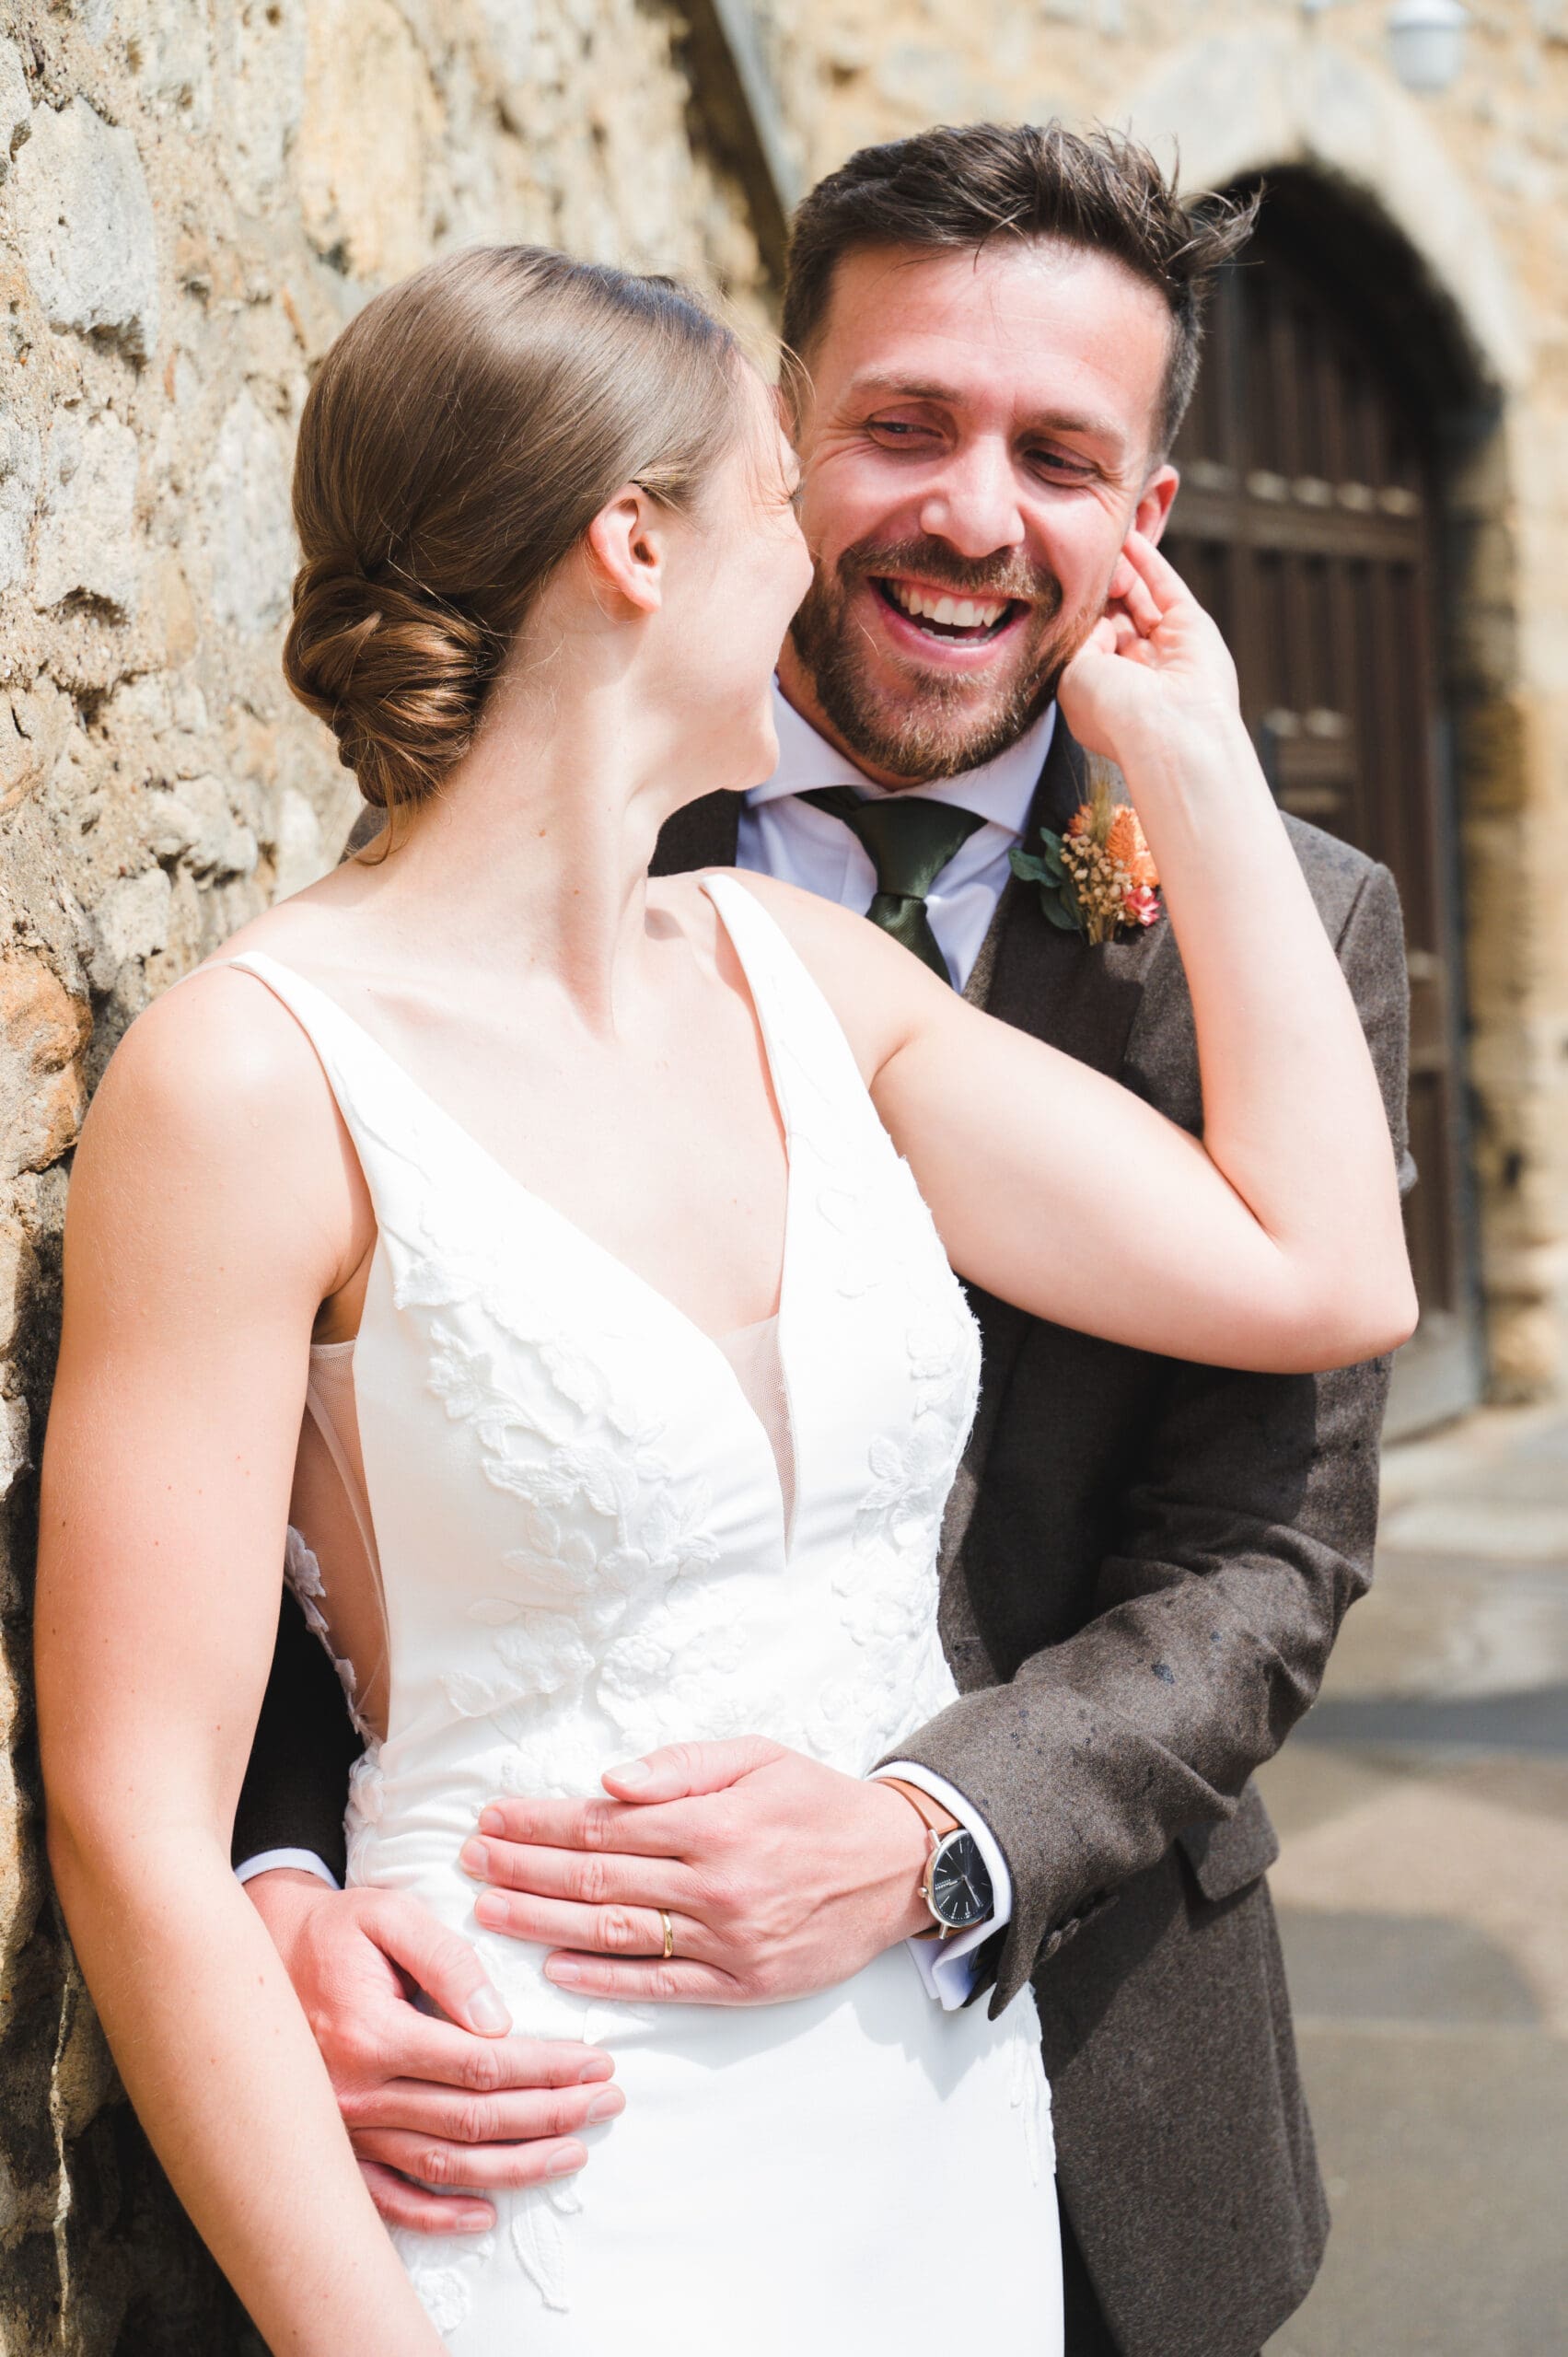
(627, 549)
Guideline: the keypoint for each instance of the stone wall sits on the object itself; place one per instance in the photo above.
(193, 195)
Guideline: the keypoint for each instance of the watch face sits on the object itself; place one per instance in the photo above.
(960, 1888)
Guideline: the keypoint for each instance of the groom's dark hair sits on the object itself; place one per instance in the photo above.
(954, 188)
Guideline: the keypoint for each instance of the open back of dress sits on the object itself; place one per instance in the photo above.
(332, 1564)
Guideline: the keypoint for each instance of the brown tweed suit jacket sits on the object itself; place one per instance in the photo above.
(1144, 1566)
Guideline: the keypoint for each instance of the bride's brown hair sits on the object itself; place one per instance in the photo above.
(460, 435)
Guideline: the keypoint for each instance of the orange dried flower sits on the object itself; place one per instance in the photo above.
(1126, 844)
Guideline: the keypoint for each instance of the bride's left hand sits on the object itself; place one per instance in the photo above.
(1152, 665)
(779, 1876)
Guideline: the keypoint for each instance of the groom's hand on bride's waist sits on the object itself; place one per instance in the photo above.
(430, 2105)
(729, 1874)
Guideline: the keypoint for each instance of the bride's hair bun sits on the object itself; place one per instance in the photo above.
(398, 676)
(460, 436)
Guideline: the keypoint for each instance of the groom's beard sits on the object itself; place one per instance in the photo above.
(939, 725)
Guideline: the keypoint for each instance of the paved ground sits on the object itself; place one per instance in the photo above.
(1424, 1898)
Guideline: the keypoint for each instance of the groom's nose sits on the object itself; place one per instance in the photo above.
(974, 505)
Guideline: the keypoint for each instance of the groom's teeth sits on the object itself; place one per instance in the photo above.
(950, 613)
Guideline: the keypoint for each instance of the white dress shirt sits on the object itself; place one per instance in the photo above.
(793, 840)
(780, 836)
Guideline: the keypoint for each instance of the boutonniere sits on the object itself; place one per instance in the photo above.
(1099, 879)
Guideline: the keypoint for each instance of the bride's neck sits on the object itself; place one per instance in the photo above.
(534, 853)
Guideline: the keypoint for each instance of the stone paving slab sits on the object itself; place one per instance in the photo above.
(1442, 2152)
(1414, 1969)
(1479, 1842)
(1422, 1891)
(1535, 1720)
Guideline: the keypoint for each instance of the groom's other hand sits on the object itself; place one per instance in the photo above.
(428, 2105)
(779, 1876)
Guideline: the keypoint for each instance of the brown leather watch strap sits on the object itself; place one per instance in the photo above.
(937, 1820)
(938, 1823)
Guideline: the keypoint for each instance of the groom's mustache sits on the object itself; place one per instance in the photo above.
(932, 561)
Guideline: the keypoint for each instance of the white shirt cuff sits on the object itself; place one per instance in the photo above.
(948, 1967)
(305, 1860)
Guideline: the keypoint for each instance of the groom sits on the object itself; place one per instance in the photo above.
(1145, 1562)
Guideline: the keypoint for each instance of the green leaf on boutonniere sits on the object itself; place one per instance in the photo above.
(1058, 894)
(1060, 909)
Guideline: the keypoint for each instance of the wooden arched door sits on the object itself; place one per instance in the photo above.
(1307, 524)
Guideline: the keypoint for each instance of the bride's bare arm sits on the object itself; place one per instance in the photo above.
(211, 1208)
(1274, 1242)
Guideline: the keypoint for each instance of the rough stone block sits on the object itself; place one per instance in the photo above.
(174, 59)
(249, 527)
(87, 229)
(20, 1880)
(371, 118)
(21, 471)
(95, 18)
(15, 1456)
(87, 542)
(130, 922)
(262, 63)
(512, 30)
(19, 1263)
(16, 105)
(300, 856)
(193, 821)
(169, 603)
(43, 1029)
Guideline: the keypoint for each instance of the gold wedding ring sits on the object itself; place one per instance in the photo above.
(668, 1933)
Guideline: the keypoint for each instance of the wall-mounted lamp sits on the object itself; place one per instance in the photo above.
(1426, 40)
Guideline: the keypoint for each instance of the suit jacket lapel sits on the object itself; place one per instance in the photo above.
(1049, 982)
(703, 834)
(1083, 1001)
(1018, 917)
(1023, 974)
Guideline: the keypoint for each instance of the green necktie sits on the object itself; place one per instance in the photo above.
(908, 843)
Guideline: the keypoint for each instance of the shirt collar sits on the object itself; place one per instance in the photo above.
(1000, 791)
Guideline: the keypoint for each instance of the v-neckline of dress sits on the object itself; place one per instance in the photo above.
(710, 1344)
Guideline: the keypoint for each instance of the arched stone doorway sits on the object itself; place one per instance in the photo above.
(1310, 522)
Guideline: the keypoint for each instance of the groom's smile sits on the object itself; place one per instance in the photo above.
(927, 613)
(927, 663)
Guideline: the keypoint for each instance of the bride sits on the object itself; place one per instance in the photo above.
(545, 1253)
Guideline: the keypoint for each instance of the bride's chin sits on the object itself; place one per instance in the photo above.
(745, 761)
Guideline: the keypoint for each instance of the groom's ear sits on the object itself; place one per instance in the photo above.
(1153, 511)
(1149, 518)
(627, 552)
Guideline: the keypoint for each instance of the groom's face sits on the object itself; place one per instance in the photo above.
(977, 440)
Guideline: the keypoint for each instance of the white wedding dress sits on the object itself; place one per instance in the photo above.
(585, 1551)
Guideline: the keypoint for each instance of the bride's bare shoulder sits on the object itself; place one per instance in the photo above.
(216, 1076)
(219, 1042)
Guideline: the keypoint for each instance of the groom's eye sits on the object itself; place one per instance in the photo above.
(1060, 466)
(905, 431)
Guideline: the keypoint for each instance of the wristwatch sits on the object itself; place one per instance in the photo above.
(956, 1886)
